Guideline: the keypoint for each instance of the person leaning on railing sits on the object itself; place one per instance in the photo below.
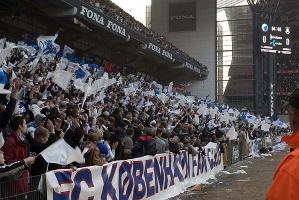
(13, 170)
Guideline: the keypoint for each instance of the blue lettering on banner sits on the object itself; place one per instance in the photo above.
(185, 164)
(138, 180)
(210, 160)
(176, 163)
(159, 173)
(202, 164)
(133, 179)
(125, 168)
(108, 188)
(168, 172)
(149, 178)
(61, 196)
(63, 177)
(84, 175)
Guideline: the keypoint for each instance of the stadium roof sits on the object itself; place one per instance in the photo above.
(90, 15)
(89, 30)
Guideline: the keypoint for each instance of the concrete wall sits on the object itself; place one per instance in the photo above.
(200, 44)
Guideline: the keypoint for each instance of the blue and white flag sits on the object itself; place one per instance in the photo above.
(94, 66)
(3, 77)
(47, 44)
(62, 153)
(81, 73)
(141, 102)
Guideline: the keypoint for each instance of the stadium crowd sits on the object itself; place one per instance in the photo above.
(287, 78)
(287, 83)
(114, 115)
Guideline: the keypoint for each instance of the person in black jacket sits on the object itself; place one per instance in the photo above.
(13, 170)
(42, 139)
(74, 133)
(145, 144)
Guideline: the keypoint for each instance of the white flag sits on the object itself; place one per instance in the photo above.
(62, 78)
(62, 153)
(232, 134)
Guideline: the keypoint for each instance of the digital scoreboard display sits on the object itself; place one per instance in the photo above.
(275, 39)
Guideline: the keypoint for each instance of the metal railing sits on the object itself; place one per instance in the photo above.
(22, 189)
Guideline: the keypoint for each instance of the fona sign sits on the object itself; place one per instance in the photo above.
(101, 20)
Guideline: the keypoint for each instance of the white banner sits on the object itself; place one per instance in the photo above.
(150, 177)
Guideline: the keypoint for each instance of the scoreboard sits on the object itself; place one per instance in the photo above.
(275, 39)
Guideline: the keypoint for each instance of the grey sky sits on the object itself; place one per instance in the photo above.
(136, 8)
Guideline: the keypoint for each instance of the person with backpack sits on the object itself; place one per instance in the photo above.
(145, 144)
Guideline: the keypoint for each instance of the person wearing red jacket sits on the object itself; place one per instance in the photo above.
(285, 183)
(108, 67)
(15, 149)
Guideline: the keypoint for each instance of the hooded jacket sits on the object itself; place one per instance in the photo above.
(285, 183)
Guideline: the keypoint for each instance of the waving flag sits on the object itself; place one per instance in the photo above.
(62, 78)
(62, 153)
(47, 44)
(81, 73)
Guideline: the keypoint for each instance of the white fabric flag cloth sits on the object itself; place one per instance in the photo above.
(62, 153)
(232, 134)
(62, 78)
(265, 127)
(211, 145)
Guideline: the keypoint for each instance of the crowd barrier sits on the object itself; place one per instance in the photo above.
(152, 177)
(10, 189)
(238, 150)
(147, 177)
